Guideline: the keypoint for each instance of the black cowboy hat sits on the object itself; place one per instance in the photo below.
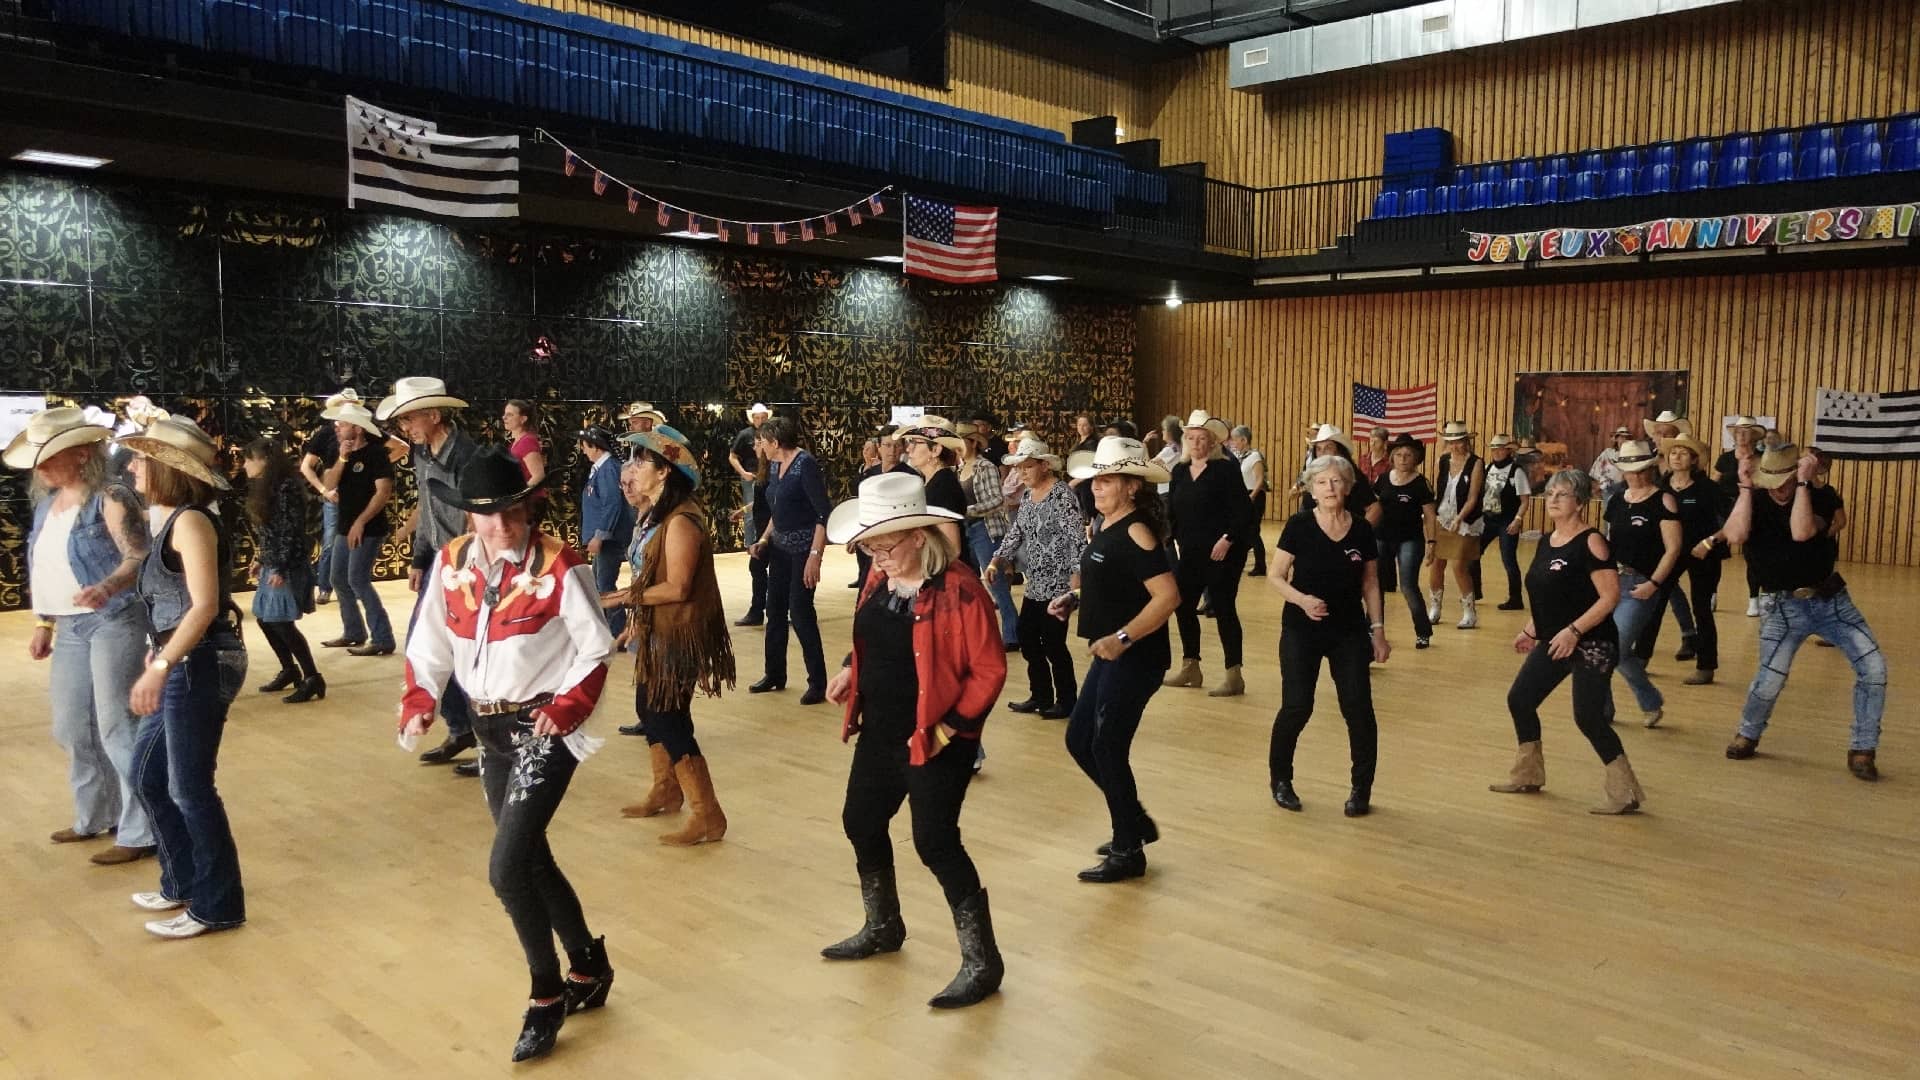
(595, 435)
(1403, 439)
(491, 482)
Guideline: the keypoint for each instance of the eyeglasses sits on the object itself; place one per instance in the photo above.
(879, 550)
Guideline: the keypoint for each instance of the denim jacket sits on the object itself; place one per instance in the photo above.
(91, 549)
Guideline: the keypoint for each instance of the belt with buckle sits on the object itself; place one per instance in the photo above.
(503, 708)
(1800, 594)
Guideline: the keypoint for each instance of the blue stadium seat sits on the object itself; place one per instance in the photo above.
(387, 16)
(1902, 128)
(341, 13)
(1818, 161)
(1904, 156)
(1557, 166)
(1593, 161)
(1825, 137)
(543, 87)
(1493, 174)
(493, 78)
(182, 22)
(1527, 169)
(1620, 182)
(309, 41)
(1856, 132)
(1778, 141)
(1733, 172)
(1386, 204)
(1486, 196)
(494, 40)
(1519, 192)
(1696, 176)
(1666, 154)
(1587, 184)
(1693, 152)
(1656, 179)
(439, 27)
(1445, 199)
(1628, 158)
(1552, 188)
(1416, 203)
(1462, 177)
(1737, 146)
(1776, 167)
(114, 16)
(1863, 159)
(241, 28)
(434, 66)
(372, 54)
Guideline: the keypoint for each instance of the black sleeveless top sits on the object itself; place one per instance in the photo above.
(1465, 480)
(1560, 587)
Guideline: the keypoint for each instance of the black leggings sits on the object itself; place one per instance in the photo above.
(882, 777)
(525, 777)
(671, 728)
(1043, 641)
(1592, 699)
(1347, 653)
(1255, 542)
(1703, 580)
(290, 646)
(1100, 738)
(1197, 573)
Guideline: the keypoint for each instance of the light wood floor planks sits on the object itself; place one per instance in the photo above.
(1757, 921)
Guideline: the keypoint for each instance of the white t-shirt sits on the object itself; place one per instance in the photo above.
(1247, 464)
(53, 581)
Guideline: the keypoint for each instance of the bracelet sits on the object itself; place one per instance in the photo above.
(44, 624)
(1433, 541)
(1377, 626)
(1531, 637)
(940, 735)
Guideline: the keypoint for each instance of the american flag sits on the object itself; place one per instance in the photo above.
(1411, 411)
(951, 243)
(1850, 425)
(402, 161)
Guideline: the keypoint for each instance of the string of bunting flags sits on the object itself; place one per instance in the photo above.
(1835, 224)
(668, 214)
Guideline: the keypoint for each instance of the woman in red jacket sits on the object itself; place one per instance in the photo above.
(926, 667)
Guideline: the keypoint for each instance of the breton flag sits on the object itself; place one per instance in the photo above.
(1412, 411)
(401, 161)
(951, 243)
(1849, 425)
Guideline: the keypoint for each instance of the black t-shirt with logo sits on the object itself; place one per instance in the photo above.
(364, 466)
(1114, 572)
(1330, 569)
(1701, 510)
(324, 444)
(1633, 530)
(1401, 516)
(1777, 560)
(1560, 586)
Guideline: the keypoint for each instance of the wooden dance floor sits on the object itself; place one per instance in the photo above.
(1758, 920)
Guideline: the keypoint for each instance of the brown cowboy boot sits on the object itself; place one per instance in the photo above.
(705, 822)
(1623, 789)
(665, 796)
(1529, 772)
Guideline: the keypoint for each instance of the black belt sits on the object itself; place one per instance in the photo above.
(504, 708)
(1826, 590)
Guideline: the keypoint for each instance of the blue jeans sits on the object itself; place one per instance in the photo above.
(983, 547)
(1401, 559)
(453, 699)
(1790, 622)
(353, 585)
(750, 528)
(1632, 618)
(96, 660)
(606, 575)
(174, 757)
(329, 544)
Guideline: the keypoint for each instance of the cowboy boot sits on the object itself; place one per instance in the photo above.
(980, 966)
(1434, 597)
(665, 796)
(705, 822)
(1529, 772)
(884, 930)
(591, 977)
(1623, 789)
(1232, 686)
(1468, 617)
(1188, 675)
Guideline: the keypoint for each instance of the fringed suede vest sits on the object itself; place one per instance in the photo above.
(682, 646)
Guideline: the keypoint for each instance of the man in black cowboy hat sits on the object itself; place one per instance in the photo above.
(606, 521)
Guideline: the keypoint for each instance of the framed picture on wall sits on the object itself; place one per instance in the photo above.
(1571, 415)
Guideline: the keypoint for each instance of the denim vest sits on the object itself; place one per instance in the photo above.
(165, 589)
(91, 549)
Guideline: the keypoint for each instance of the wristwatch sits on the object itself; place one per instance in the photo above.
(1120, 635)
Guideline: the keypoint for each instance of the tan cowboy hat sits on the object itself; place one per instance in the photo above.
(939, 429)
(354, 413)
(1636, 455)
(413, 393)
(349, 396)
(141, 410)
(643, 408)
(1745, 421)
(1118, 456)
(1032, 449)
(1667, 416)
(1501, 441)
(1686, 442)
(1454, 431)
(888, 503)
(1328, 432)
(178, 443)
(1200, 418)
(49, 432)
(1777, 465)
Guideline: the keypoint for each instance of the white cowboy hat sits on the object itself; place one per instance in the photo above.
(1032, 449)
(1623, 430)
(1636, 455)
(759, 409)
(937, 428)
(413, 393)
(888, 503)
(1686, 442)
(643, 408)
(1454, 431)
(354, 413)
(178, 443)
(1118, 456)
(349, 396)
(1200, 418)
(1667, 416)
(1326, 432)
(141, 410)
(1745, 421)
(1500, 441)
(49, 432)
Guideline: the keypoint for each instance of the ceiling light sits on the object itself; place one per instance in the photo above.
(1173, 301)
(1294, 279)
(689, 234)
(1370, 275)
(1477, 268)
(1048, 277)
(885, 258)
(68, 161)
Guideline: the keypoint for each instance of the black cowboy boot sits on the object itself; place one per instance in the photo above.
(980, 966)
(884, 931)
(1117, 866)
(540, 1029)
(591, 977)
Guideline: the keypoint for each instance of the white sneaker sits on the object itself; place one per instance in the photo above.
(1468, 617)
(1753, 607)
(153, 901)
(1653, 718)
(182, 925)
(1434, 597)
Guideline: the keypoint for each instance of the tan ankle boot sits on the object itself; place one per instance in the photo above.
(1529, 772)
(665, 796)
(1623, 789)
(1232, 686)
(1188, 674)
(705, 822)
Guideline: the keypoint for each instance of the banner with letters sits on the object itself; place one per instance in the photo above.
(1837, 224)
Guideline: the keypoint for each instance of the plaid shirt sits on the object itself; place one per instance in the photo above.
(988, 503)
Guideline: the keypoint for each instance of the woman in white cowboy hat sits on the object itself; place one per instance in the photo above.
(1643, 528)
(1326, 440)
(318, 452)
(1125, 592)
(1209, 514)
(1506, 489)
(933, 451)
(1747, 433)
(1044, 544)
(1460, 485)
(512, 612)
(193, 673)
(361, 485)
(678, 628)
(926, 667)
(1702, 512)
(1666, 426)
(277, 509)
(84, 551)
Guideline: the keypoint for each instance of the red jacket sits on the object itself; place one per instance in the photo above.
(959, 657)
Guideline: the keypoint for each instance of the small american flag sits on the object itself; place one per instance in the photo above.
(1412, 411)
(1850, 425)
(951, 243)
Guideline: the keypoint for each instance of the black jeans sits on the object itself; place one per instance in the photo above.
(1043, 641)
(1592, 699)
(1198, 574)
(1255, 542)
(1496, 531)
(757, 573)
(525, 778)
(789, 599)
(1347, 653)
(882, 778)
(1400, 571)
(1703, 581)
(1100, 738)
(671, 728)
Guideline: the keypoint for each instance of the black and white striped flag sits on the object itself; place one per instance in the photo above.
(1850, 425)
(406, 162)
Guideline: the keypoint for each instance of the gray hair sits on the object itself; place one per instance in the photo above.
(1573, 480)
(1242, 431)
(1328, 461)
(1170, 427)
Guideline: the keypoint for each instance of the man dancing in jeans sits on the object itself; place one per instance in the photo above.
(1792, 558)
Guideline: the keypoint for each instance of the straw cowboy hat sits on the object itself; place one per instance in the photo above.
(888, 503)
(937, 429)
(1200, 418)
(141, 410)
(1500, 442)
(1667, 416)
(1745, 421)
(1777, 465)
(642, 408)
(413, 393)
(1686, 442)
(1636, 455)
(1454, 431)
(49, 432)
(178, 443)
(1032, 449)
(349, 396)
(1404, 441)
(1118, 456)
(1329, 433)
(669, 443)
(352, 412)
(491, 482)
